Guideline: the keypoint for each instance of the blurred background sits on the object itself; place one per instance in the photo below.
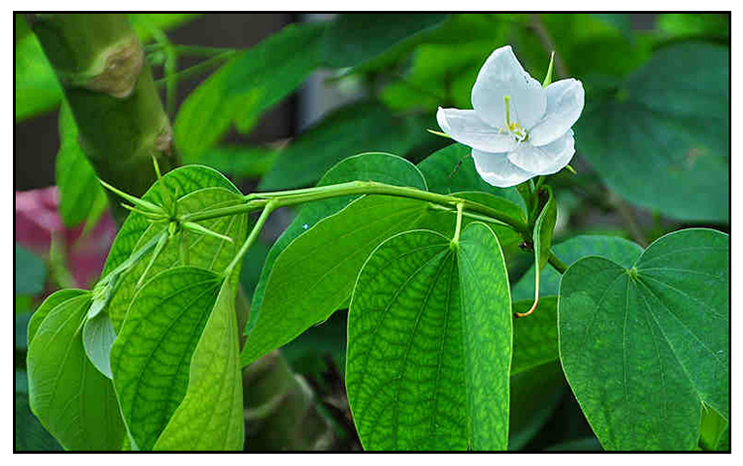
(286, 96)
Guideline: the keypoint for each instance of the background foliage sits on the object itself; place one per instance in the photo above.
(653, 156)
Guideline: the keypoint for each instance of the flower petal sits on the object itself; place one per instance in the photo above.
(502, 75)
(565, 100)
(547, 159)
(497, 170)
(464, 126)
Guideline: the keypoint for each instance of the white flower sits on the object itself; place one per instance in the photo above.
(518, 129)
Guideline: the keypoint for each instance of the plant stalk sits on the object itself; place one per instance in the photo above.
(257, 201)
(114, 101)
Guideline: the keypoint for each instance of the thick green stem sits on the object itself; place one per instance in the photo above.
(257, 201)
(113, 98)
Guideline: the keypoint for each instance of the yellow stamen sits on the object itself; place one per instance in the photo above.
(507, 98)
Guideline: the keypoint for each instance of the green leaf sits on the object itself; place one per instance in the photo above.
(429, 344)
(314, 276)
(199, 188)
(81, 195)
(30, 435)
(535, 394)
(211, 414)
(239, 161)
(712, 430)
(724, 444)
(662, 141)
(252, 82)
(621, 22)
(438, 169)
(71, 398)
(353, 38)
(534, 337)
(51, 302)
(616, 249)
(686, 25)
(205, 251)
(36, 87)
(643, 349)
(30, 272)
(372, 166)
(143, 22)
(593, 48)
(351, 130)
(428, 84)
(98, 338)
(151, 356)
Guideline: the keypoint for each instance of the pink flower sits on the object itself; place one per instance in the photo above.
(37, 219)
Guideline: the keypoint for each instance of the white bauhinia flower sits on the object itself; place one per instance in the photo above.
(518, 129)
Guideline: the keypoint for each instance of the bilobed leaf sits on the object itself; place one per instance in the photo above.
(371, 166)
(619, 250)
(80, 193)
(644, 349)
(72, 399)
(351, 130)
(30, 272)
(314, 275)
(662, 141)
(353, 38)
(152, 354)
(211, 414)
(429, 344)
(248, 84)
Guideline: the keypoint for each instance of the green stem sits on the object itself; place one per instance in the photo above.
(557, 264)
(191, 50)
(300, 196)
(171, 65)
(458, 230)
(270, 207)
(196, 69)
(110, 90)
